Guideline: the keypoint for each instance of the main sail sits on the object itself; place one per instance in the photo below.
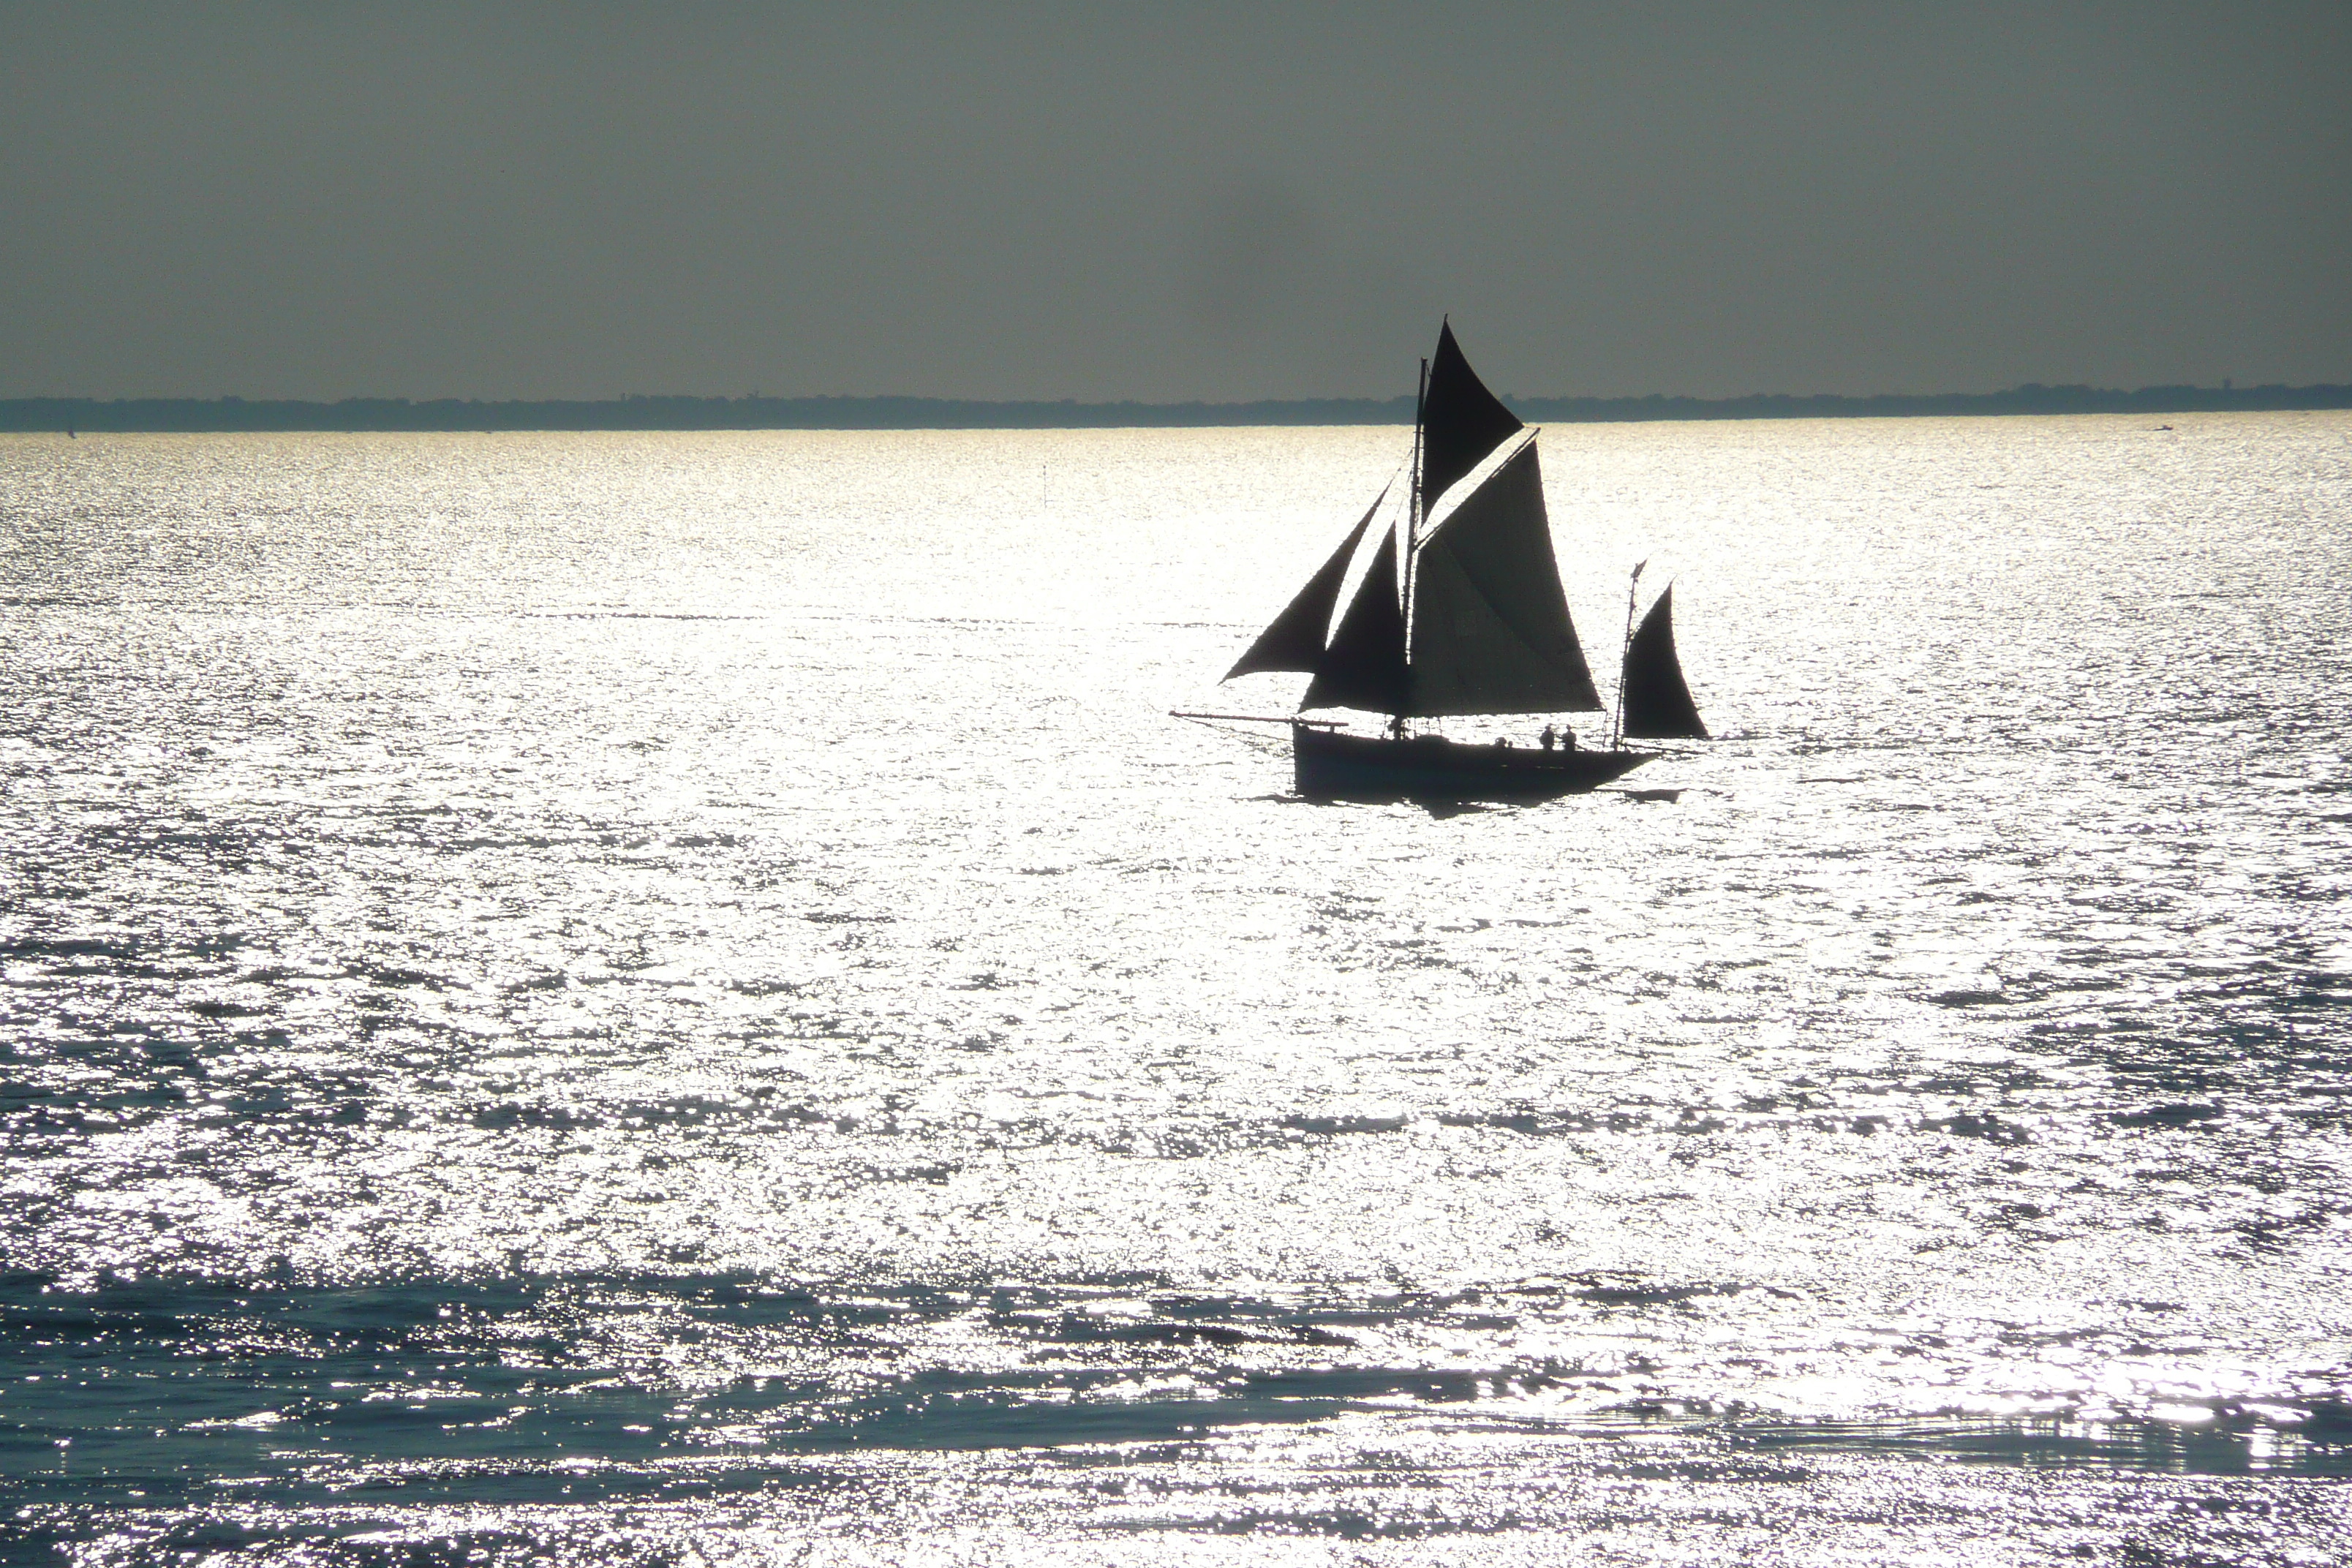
(1491, 632)
(1294, 640)
(1364, 667)
(1461, 421)
(1658, 705)
(1489, 628)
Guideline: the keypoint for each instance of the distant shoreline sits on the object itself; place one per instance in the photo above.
(190, 414)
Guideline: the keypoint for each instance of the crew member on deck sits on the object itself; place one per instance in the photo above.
(1548, 736)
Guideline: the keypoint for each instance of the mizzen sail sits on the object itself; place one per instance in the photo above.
(1294, 640)
(1461, 421)
(1491, 632)
(1658, 705)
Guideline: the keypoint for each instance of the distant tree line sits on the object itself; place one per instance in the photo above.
(644, 412)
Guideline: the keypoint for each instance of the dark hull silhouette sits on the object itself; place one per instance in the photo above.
(1329, 766)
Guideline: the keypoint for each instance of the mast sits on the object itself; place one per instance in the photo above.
(1413, 495)
(1617, 741)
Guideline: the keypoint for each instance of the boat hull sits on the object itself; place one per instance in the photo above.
(1331, 765)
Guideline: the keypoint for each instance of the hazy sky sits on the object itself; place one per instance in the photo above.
(1102, 201)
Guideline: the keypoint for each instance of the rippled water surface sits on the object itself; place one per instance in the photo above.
(678, 998)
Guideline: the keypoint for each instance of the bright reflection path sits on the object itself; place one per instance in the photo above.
(677, 999)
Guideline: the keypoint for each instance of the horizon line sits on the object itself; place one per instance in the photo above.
(687, 411)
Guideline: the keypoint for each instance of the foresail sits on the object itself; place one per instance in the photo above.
(1364, 666)
(1294, 640)
(1658, 705)
(1490, 627)
(1461, 421)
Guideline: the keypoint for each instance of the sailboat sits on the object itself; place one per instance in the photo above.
(1460, 611)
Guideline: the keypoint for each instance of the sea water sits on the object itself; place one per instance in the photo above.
(575, 998)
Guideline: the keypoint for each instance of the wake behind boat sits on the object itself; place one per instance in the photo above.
(1462, 616)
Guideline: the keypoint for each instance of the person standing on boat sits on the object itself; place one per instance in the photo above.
(1548, 737)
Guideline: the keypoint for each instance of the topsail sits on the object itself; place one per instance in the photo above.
(1461, 421)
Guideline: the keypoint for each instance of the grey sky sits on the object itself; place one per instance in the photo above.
(1163, 202)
